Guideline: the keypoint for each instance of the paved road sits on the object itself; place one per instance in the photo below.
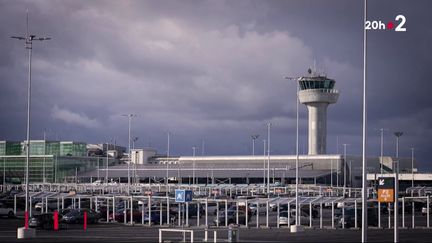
(121, 233)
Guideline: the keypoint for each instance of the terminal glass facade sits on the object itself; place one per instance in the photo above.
(57, 168)
(73, 149)
(10, 148)
(50, 161)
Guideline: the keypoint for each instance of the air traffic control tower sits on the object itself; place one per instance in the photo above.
(317, 92)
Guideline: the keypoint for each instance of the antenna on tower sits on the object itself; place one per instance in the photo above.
(314, 67)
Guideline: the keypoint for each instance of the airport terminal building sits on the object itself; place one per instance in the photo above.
(313, 169)
(50, 161)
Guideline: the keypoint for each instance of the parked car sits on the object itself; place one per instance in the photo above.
(283, 218)
(424, 210)
(304, 209)
(45, 221)
(51, 206)
(232, 217)
(76, 216)
(254, 207)
(97, 183)
(156, 217)
(6, 211)
(349, 219)
(222, 207)
(120, 214)
(192, 209)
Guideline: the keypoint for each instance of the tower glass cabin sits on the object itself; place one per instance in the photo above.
(317, 92)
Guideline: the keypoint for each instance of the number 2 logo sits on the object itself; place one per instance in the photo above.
(401, 24)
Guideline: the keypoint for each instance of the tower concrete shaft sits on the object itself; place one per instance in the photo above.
(317, 92)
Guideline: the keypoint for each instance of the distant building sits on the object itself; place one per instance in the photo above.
(50, 161)
(142, 156)
(102, 149)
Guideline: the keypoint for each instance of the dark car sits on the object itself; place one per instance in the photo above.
(156, 217)
(304, 209)
(119, 215)
(45, 221)
(192, 210)
(76, 216)
(231, 217)
(349, 219)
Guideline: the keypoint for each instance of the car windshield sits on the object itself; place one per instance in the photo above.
(73, 213)
(283, 214)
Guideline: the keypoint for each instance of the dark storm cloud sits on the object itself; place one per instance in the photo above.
(213, 71)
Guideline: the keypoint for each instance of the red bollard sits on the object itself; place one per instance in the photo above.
(56, 223)
(85, 220)
(26, 218)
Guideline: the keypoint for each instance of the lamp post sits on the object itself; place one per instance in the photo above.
(412, 168)
(268, 157)
(331, 173)
(345, 169)
(264, 163)
(193, 165)
(134, 139)
(29, 45)
(396, 206)
(297, 221)
(254, 137)
(107, 164)
(382, 150)
(129, 116)
(398, 135)
(168, 154)
(364, 123)
(4, 174)
(44, 160)
(98, 169)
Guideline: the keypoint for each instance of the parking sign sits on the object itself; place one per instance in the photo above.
(386, 189)
(183, 195)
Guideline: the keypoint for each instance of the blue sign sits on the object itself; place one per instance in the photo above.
(183, 195)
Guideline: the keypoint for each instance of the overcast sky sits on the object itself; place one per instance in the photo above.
(213, 71)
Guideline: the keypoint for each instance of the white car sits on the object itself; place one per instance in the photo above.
(5, 211)
(283, 218)
(424, 210)
(51, 206)
(97, 183)
(254, 208)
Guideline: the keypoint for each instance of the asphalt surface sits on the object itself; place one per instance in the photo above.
(117, 232)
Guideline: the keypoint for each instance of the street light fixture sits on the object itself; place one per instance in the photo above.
(129, 116)
(396, 169)
(382, 150)
(168, 154)
(364, 123)
(107, 163)
(268, 157)
(264, 163)
(254, 137)
(134, 139)
(193, 165)
(345, 168)
(28, 38)
(297, 221)
(398, 135)
(412, 168)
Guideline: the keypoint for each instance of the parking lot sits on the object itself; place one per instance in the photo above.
(120, 233)
(260, 217)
